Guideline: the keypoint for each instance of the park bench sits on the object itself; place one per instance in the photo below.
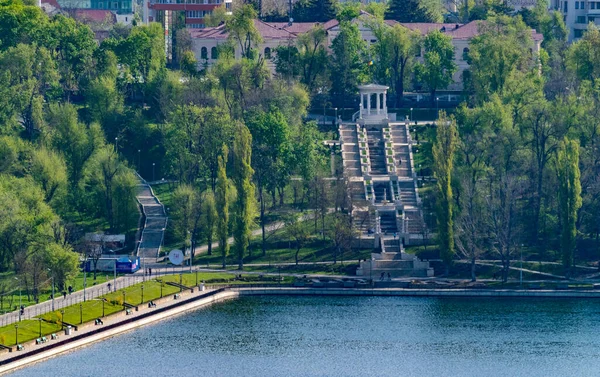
(299, 283)
(128, 312)
(349, 284)
(176, 296)
(20, 347)
(38, 341)
(44, 339)
(53, 336)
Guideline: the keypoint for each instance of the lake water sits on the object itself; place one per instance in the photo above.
(353, 336)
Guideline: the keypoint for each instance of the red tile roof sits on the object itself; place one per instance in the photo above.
(54, 3)
(282, 30)
(268, 30)
(425, 28)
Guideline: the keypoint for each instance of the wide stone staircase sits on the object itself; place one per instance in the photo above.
(394, 263)
(385, 203)
(376, 152)
(350, 151)
(154, 227)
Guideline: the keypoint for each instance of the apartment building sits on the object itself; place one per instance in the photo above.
(577, 15)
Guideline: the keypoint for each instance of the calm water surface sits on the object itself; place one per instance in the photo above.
(353, 336)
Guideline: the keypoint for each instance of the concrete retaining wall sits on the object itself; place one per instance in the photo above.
(107, 332)
(417, 292)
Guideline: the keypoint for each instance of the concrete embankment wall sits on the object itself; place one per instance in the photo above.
(102, 333)
(418, 292)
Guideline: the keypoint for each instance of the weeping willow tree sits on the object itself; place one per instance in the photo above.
(245, 205)
(222, 204)
(569, 197)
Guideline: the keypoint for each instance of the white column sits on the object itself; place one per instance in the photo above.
(368, 103)
(362, 105)
(378, 103)
(384, 103)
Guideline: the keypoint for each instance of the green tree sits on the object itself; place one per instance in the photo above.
(105, 181)
(569, 197)
(76, 141)
(33, 79)
(49, 170)
(105, 102)
(414, 11)
(63, 262)
(242, 177)
(296, 232)
(347, 63)
(502, 48)
(314, 10)
(72, 45)
(188, 63)
(443, 159)
(583, 58)
(185, 214)
(438, 65)
(210, 218)
(222, 196)
(270, 148)
(242, 31)
(395, 49)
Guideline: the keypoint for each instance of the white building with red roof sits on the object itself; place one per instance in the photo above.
(205, 42)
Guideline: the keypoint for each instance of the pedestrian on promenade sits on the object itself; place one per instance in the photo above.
(150, 271)
(65, 295)
(109, 285)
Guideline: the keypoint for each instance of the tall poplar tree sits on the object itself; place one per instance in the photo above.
(242, 177)
(443, 156)
(569, 198)
(221, 199)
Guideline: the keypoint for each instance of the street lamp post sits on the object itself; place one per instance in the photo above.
(17, 335)
(411, 114)
(123, 299)
(80, 314)
(62, 319)
(139, 160)
(84, 277)
(142, 294)
(117, 145)
(20, 302)
(52, 288)
(437, 106)
(40, 332)
(336, 115)
(161, 287)
(153, 165)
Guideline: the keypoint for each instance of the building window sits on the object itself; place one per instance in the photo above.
(100, 6)
(581, 19)
(578, 33)
(592, 19)
(214, 54)
(566, 4)
(203, 53)
(267, 53)
(592, 5)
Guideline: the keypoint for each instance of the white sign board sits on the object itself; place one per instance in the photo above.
(176, 257)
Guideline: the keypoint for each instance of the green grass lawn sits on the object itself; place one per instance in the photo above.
(27, 330)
